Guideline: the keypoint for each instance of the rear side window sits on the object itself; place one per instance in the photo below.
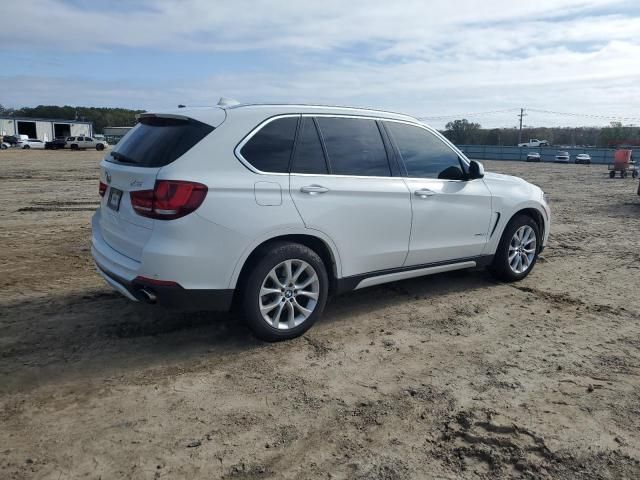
(309, 157)
(354, 146)
(269, 150)
(424, 154)
(157, 141)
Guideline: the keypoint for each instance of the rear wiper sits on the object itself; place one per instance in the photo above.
(122, 158)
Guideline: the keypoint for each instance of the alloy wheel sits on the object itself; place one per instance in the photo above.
(522, 249)
(289, 294)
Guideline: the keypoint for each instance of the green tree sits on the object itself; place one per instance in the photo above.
(462, 132)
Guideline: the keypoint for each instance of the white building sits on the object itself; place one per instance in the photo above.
(44, 128)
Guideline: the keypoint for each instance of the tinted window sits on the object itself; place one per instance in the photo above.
(424, 154)
(309, 157)
(156, 141)
(269, 150)
(354, 146)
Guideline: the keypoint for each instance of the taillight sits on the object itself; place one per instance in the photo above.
(102, 189)
(169, 199)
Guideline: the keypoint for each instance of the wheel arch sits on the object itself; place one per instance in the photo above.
(324, 247)
(532, 212)
(535, 215)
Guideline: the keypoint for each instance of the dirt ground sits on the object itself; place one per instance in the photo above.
(449, 376)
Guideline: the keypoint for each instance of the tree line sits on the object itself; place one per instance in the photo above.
(100, 116)
(460, 132)
(463, 132)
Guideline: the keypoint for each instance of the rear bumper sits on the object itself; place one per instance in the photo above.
(169, 296)
(122, 274)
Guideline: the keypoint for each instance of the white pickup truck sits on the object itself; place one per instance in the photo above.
(534, 142)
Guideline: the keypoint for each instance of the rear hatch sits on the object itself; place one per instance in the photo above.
(157, 140)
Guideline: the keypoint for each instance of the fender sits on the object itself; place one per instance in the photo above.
(280, 233)
(505, 218)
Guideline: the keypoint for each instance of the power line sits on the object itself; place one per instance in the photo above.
(536, 110)
(462, 115)
(589, 115)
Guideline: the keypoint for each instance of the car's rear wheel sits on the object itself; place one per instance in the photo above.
(26, 147)
(518, 249)
(74, 147)
(99, 147)
(285, 293)
(612, 174)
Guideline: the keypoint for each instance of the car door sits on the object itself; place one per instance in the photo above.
(451, 214)
(341, 183)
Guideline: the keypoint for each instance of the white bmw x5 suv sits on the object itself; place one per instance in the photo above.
(274, 207)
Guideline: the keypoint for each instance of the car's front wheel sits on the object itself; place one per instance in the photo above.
(99, 147)
(285, 293)
(518, 249)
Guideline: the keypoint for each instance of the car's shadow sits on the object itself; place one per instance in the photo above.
(99, 333)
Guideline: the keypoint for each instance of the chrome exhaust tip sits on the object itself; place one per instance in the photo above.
(148, 296)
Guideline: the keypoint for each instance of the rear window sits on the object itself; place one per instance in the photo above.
(269, 150)
(354, 146)
(156, 141)
(309, 157)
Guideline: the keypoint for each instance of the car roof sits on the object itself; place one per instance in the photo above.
(322, 109)
(216, 115)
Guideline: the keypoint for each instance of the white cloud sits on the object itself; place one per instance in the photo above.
(434, 58)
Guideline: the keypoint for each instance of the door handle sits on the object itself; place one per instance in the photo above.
(424, 193)
(314, 189)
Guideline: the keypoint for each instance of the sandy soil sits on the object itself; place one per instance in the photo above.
(450, 376)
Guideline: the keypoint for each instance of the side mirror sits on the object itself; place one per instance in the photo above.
(476, 170)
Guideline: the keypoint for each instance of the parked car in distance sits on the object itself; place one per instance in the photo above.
(56, 143)
(533, 157)
(11, 140)
(584, 158)
(534, 142)
(78, 143)
(562, 157)
(4, 146)
(274, 207)
(31, 143)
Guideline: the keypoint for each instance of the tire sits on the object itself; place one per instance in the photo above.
(274, 259)
(623, 174)
(26, 147)
(74, 146)
(100, 147)
(634, 174)
(501, 268)
(612, 174)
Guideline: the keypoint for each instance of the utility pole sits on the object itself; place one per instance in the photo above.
(522, 114)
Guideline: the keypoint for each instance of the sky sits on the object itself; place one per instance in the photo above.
(438, 60)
